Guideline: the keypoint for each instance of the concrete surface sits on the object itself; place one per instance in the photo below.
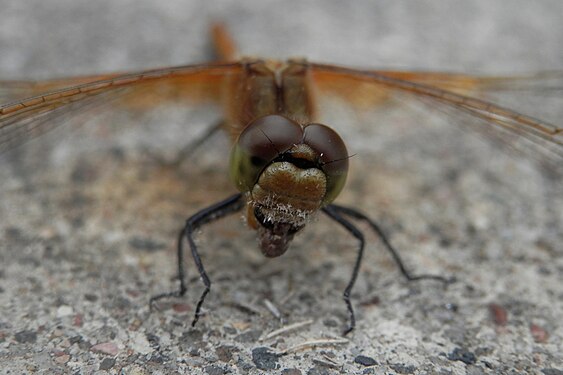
(88, 224)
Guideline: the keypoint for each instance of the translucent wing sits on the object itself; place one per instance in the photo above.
(13, 90)
(23, 119)
(473, 96)
(35, 113)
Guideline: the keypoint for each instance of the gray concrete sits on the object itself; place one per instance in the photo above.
(88, 224)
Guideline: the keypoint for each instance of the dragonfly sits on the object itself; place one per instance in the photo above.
(286, 166)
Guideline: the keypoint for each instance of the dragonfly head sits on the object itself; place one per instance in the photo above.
(289, 172)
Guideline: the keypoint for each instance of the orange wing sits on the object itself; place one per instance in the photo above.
(365, 89)
(53, 102)
(27, 118)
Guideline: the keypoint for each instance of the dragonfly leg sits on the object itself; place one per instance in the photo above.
(394, 253)
(333, 212)
(337, 213)
(217, 211)
(189, 149)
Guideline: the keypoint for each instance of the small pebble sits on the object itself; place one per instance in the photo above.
(105, 348)
(26, 336)
(62, 359)
(107, 363)
(539, 334)
(463, 355)
(64, 310)
(498, 314)
(365, 361)
(264, 359)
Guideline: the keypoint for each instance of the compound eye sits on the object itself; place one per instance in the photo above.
(333, 156)
(258, 145)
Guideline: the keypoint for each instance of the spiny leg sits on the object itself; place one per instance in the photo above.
(217, 211)
(189, 149)
(394, 253)
(333, 212)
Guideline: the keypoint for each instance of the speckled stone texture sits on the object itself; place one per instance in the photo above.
(88, 223)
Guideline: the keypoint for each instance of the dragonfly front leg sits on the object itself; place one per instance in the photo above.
(217, 211)
(394, 253)
(336, 213)
(333, 212)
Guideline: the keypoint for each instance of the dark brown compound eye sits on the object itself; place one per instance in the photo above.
(259, 144)
(333, 156)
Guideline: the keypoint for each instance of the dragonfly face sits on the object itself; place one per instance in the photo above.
(288, 172)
